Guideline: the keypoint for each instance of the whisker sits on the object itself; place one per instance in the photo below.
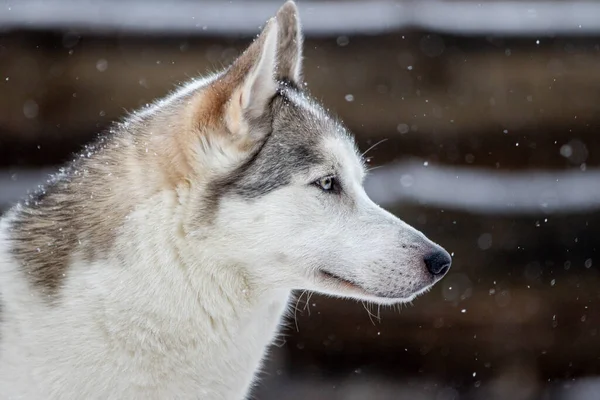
(307, 304)
(280, 340)
(296, 310)
(372, 147)
(374, 168)
(368, 312)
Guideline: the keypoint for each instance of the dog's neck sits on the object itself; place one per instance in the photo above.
(211, 308)
(181, 255)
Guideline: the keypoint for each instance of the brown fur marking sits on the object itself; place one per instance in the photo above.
(80, 212)
(77, 211)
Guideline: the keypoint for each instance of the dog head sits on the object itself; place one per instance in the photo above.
(276, 184)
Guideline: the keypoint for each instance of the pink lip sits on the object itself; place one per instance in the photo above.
(345, 284)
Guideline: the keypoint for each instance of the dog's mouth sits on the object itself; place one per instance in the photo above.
(340, 282)
(344, 286)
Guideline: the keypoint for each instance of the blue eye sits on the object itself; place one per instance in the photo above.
(327, 183)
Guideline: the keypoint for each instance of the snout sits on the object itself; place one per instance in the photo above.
(438, 262)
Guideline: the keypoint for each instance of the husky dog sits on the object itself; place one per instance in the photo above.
(158, 265)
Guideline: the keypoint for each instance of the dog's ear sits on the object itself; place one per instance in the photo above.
(289, 49)
(253, 80)
(230, 116)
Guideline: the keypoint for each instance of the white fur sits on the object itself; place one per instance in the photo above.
(260, 85)
(185, 90)
(303, 231)
(165, 322)
(189, 314)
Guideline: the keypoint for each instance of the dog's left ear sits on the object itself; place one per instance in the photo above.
(252, 78)
(289, 48)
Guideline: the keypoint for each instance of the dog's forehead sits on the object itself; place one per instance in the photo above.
(345, 158)
(304, 135)
(301, 122)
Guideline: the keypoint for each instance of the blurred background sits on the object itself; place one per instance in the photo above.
(489, 111)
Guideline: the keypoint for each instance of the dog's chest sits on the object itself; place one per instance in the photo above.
(141, 343)
(209, 356)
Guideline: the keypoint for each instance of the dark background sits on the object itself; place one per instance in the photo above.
(490, 111)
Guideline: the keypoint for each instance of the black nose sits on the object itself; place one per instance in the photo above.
(438, 263)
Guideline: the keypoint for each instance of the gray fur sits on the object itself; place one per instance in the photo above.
(291, 147)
